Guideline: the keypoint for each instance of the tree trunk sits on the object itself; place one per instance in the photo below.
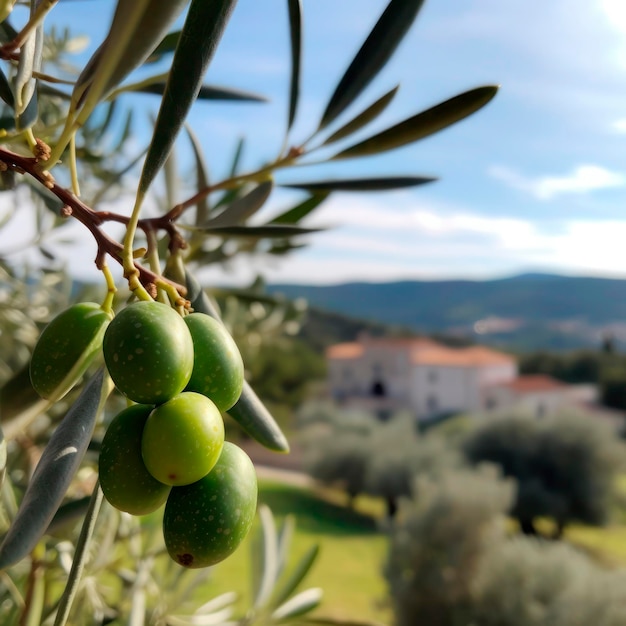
(528, 526)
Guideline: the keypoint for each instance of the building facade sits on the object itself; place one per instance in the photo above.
(430, 379)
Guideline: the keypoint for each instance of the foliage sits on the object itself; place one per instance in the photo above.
(282, 373)
(362, 454)
(437, 543)
(451, 562)
(340, 456)
(59, 126)
(531, 582)
(565, 465)
(583, 366)
(605, 368)
(613, 386)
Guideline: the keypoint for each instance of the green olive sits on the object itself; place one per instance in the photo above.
(148, 351)
(217, 367)
(125, 481)
(66, 348)
(205, 522)
(182, 439)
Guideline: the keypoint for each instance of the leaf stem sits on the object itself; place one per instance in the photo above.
(107, 305)
(80, 556)
(73, 167)
(131, 273)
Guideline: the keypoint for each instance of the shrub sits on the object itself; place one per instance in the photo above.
(438, 542)
(526, 581)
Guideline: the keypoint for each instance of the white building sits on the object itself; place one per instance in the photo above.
(430, 379)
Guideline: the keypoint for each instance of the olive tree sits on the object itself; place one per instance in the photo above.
(564, 465)
(438, 543)
(134, 342)
(451, 561)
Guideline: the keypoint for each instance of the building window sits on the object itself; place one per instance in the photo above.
(378, 389)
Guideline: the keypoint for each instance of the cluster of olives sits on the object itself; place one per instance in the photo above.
(168, 447)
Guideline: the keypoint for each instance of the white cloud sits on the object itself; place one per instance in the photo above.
(583, 179)
(615, 11)
(620, 125)
(391, 236)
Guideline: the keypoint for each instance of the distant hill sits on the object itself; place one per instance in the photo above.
(529, 311)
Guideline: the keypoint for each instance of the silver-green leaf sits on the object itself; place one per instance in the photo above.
(54, 472)
(423, 124)
(202, 31)
(295, 37)
(363, 184)
(377, 49)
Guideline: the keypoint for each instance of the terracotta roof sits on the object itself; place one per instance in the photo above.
(350, 350)
(475, 356)
(533, 383)
(355, 349)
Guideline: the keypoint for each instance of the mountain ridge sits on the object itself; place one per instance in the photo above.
(525, 311)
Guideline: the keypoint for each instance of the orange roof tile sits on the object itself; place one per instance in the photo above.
(355, 349)
(475, 356)
(350, 350)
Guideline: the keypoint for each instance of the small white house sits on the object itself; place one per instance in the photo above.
(430, 379)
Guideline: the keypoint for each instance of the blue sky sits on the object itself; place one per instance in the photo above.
(534, 181)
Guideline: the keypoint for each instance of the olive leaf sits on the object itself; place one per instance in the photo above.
(30, 115)
(68, 513)
(135, 31)
(300, 604)
(103, 126)
(363, 118)
(283, 542)
(7, 32)
(423, 124)
(156, 86)
(17, 395)
(30, 61)
(54, 472)
(295, 37)
(249, 412)
(265, 549)
(202, 31)
(254, 232)
(5, 90)
(252, 415)
(234, 167)
(167, 46)
(362, 184)
(244, 207)
(301, 210)
(202, 177)
(377, 49)
(296, 576)
(3, 456)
